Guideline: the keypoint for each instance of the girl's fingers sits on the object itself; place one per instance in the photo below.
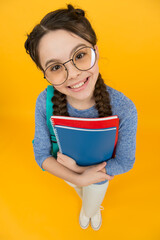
(62, 156)
(60, 159)
(110, 177)
(107, 177)
(100, 166)
(59, 154)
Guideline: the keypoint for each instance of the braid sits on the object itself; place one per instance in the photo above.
(59, 104)
(102, 98)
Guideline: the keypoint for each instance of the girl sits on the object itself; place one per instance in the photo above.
(63, 46)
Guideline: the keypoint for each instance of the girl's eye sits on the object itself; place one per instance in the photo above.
(79, 56)
(55, 67)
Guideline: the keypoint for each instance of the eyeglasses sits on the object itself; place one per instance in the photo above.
(83, 59)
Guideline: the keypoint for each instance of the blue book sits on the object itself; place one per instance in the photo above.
(86, 146)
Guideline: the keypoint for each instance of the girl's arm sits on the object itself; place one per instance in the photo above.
(71, 164)
(52, 166)
(89, 176)
(126, 145)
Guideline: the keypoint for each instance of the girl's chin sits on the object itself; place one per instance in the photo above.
(85, 99)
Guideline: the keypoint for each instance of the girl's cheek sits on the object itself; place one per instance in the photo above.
(60, 89)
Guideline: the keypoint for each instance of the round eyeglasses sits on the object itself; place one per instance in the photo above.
(83, 59)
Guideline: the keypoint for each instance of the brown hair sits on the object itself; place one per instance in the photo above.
(72, 20)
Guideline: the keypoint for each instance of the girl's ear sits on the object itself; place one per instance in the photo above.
(97, 52)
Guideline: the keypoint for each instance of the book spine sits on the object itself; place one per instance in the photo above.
(52, 121)
(56, 134)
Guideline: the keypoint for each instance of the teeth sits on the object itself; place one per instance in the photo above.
(78, 85)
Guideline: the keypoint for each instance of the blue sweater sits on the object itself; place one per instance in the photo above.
(126, 144)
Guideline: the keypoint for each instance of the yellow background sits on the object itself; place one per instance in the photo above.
(35, 204)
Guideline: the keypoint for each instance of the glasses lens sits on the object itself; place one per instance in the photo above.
(84, 58)
(56, 74)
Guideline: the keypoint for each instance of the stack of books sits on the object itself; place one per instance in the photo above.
(88, 141)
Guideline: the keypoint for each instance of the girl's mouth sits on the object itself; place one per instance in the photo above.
(80, 85)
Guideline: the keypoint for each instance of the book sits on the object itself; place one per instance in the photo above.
(90, 123)
(87, 140)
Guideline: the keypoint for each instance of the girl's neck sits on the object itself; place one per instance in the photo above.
(81, 104)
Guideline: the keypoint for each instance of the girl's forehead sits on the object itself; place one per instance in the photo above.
(58, 44)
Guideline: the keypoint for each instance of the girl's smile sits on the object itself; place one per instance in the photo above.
(79, 86)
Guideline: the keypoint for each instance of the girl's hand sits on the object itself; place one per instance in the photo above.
(72, 165)
(94, 174)
(67, 161)
(103, 170)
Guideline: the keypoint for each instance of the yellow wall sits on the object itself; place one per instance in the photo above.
(36, 205)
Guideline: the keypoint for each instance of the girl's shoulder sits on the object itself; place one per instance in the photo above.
(42, 96)
(114, 94)
(121, 104)
(41, 101)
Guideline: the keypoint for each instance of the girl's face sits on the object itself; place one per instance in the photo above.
(59, 44)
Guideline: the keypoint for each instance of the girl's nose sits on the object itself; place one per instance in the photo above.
(73, 72)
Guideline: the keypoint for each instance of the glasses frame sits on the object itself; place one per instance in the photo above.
(73, 64)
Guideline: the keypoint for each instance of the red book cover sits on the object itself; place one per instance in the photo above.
(90, 123)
